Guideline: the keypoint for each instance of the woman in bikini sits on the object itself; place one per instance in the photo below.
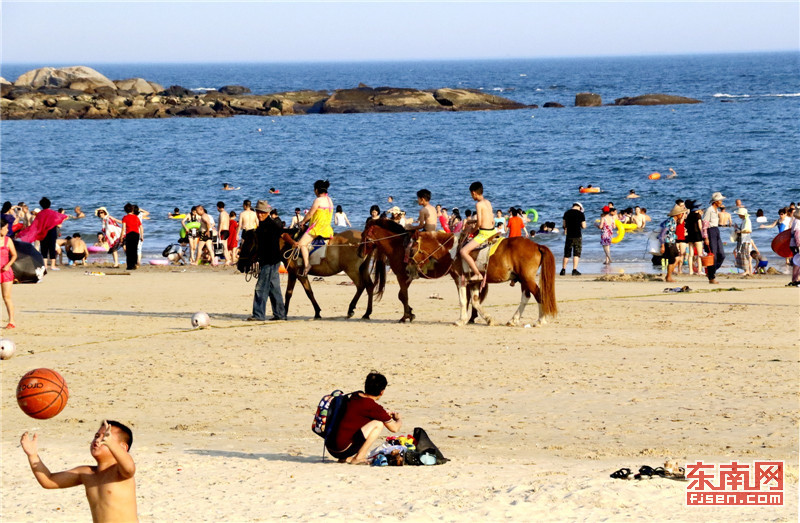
(319, 216)
(8, 255)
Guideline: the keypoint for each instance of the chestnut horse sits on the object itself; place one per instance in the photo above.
(430, 258)
(341, 255)
(516, 259)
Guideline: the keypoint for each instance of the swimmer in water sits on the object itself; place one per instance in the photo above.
(672, 173)
(229, 187)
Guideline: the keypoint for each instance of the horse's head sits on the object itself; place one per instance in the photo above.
(367, 244)
(248, 252)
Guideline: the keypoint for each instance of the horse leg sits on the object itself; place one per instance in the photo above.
(462, 301)
(526, 295)
(310, 293)
(537, 294)
(370, 286)
(476, 303)
(403, 295)
(289, 291)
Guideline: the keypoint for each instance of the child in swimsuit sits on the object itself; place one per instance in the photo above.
(320, 216)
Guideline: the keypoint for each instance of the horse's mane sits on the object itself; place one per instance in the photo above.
(389, 225)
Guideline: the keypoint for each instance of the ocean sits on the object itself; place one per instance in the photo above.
(742, 140)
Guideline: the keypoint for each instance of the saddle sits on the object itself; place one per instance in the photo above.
(482, 254)
(316, 250)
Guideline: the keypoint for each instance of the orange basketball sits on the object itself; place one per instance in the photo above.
(42, 393)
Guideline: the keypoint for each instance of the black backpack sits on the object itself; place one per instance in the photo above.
(167, 250)
(328, 416)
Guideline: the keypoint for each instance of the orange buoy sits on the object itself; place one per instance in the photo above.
(654, 176)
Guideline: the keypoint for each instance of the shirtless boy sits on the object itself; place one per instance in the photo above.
(427, 214)
(363, 422)
(248, 221)
(110, 486)
(224, 230)
(485, 219)
(76, 249)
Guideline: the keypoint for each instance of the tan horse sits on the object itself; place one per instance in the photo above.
(516, 260)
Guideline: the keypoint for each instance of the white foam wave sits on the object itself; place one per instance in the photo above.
(204, 89)
(780, 95)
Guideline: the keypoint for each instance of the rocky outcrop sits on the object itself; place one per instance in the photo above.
(473, 100)
(234, 90)
(3, 81)
(655, 99)
(78, 77)
(138, 86)
(379, 100)
(588, 100)
(552, 105)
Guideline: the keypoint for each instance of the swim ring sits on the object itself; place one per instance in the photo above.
(535, 217)
(629, 226)
(780, 244)
(620, 232)
(177, 217)
(159, 262)
(590, 189)
(96, 248)
(654, 176)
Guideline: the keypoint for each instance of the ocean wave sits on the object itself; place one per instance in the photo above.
(203, 89)
(781, 95)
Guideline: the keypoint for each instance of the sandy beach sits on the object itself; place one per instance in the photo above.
(533, 419)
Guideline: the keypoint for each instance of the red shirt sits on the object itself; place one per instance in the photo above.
(132, 223)
(360, 411)
(680, 231)
(515, 226)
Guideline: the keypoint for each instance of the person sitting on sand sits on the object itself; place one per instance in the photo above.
(363, 422)
(632, 194)
(110, 485)
(102, 241)
(485, 222)
(76, 249)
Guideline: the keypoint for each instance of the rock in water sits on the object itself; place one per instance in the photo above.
(84, 78)
(588, 100)
(655, 99)
(234, 90)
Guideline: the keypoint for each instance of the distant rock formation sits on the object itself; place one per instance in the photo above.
(138, 86)
(234, 89)
(552, 105)
(588, 100)
(3, 81)
(78, 77)
(656, 99)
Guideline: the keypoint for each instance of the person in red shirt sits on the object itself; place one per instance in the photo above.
(131, 235)
(363, 422)
(516, 226)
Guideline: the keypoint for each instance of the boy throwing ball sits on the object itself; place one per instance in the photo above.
(110, 487)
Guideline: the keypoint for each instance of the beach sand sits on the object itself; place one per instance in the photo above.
(533, 419)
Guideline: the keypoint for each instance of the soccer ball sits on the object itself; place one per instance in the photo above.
(201, 320)
(7, 348)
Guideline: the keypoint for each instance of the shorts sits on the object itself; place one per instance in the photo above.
(48, 245)
(224, 235)
(193, 233)
(483, 235)
(207, 236)
(573, 247)
(352, 450)
(7, 276)
(76, 256)
(670, 252)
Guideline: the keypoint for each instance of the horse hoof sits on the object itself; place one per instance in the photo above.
(349, 315)
(366, 317)
(317, 317)
(512, 324)
(459, 323)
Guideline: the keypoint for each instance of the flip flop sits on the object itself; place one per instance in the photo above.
(623, 473)
(645, 472)
(10, 326)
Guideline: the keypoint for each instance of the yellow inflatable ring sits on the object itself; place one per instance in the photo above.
(178, 217)
(590, 189)
(629, 226)
(534, 213)
(620, 232)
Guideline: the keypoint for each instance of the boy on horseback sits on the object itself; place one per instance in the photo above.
(427, 218)
(485, 222)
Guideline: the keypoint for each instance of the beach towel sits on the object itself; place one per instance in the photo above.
(112, 229)
(42, 224)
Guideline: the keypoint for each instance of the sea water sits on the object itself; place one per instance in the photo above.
(742, 140)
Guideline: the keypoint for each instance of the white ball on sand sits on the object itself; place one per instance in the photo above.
(7, 348)
(200, 320)
(622, 271)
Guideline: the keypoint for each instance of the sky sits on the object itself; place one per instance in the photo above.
(147, 32)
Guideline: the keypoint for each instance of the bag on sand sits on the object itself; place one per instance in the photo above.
(329, 414)
(424, 445)
(166, 250)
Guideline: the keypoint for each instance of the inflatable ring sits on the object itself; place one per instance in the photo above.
(629, 226)
(96, 248)
(589, 189)
(535, 214)
(177, 217)
(620, 232)
(780, 244)
(159, 262)
(654, 176)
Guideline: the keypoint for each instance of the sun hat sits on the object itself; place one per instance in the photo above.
(37, 210)
(741, 211)
(99, 209)
(717, 197)
(263, 206)
(579, 204)
(677, 210)
(394, 210)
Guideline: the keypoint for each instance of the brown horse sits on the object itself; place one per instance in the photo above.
(516, 260)
(340, 255)
(430, 256)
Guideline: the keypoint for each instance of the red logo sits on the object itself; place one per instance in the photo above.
(735, 483)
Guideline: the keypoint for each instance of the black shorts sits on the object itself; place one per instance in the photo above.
(48, 245)
(352, 450)
(224, 235)
(572, 247)
(670, 252)
(76, 256)
(207, 236)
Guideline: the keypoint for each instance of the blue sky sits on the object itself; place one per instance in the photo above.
(97, 32)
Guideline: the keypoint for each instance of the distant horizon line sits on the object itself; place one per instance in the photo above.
(417, 60)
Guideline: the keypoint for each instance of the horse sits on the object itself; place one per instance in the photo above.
(431, 256)
(516, 260)
(341, 255)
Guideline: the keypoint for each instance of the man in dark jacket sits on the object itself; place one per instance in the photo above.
(269, 258)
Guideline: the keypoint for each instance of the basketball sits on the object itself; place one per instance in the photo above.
(200, 319)
(42, 393)
(7, 348)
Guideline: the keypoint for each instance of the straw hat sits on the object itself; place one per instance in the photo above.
(263, 206)
(717, 197)
(394, 210)
(99, 209)
(677, 211)
(741, 211)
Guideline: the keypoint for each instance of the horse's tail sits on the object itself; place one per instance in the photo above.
(547, 281)
(380, 274)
